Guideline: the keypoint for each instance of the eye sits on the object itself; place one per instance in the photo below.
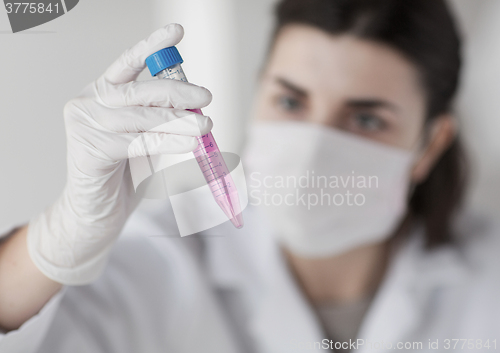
(368, 122)
(289, 103)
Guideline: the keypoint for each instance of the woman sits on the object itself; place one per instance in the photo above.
(363, 85)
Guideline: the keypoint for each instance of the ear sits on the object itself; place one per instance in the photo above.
(441, 134)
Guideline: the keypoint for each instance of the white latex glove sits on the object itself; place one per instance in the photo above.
(69, 241)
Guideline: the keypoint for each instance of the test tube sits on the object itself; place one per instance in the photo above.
(166, 64)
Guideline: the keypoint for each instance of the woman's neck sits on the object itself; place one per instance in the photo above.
(343, 278)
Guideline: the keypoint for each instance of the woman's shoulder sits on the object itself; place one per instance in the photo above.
(478, 245)
(477, 248)
(459, 281)
(468, 264)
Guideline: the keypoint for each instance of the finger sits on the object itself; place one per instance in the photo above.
(155, 93)
(150, 144)
(130, 64)
(155, 119)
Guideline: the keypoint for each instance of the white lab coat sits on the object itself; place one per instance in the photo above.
(229, 291)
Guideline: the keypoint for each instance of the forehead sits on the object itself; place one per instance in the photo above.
(323, 62)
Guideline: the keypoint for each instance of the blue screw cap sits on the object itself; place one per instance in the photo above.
(163, 59)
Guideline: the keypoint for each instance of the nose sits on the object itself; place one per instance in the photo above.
(327, 113)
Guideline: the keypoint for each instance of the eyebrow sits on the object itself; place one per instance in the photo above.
(292, 87)
(371, 103)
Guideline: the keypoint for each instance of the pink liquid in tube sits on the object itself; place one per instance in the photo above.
(207, 154)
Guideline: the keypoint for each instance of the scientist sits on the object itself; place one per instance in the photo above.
(350, 89)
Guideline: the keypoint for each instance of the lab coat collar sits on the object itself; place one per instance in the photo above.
(281, 319)
(250, 262)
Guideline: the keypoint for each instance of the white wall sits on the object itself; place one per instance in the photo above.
(478, 104)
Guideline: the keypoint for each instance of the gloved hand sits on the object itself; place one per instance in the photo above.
(70, 240)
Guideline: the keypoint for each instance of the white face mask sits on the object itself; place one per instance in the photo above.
(325, 191)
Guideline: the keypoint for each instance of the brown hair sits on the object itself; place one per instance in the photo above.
(425, 33)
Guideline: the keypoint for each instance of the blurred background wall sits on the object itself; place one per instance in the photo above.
(478, 104)
(225, 41)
